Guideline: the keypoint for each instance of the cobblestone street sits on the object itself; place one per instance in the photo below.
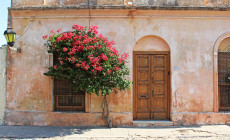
(194, 132)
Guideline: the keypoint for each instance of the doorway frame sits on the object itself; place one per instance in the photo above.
(134, 80)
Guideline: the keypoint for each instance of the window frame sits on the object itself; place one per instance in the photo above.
(50, 90)
(223, 84)
(215, 72)
(70, 93)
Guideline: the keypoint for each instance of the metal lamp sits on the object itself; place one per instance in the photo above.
(10, 36)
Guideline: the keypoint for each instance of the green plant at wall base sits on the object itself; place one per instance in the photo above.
(89, 61)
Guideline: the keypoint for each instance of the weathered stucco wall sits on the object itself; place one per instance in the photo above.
(189, 3)
(191, 36)
(3, 83)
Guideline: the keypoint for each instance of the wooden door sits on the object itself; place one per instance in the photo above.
(151, 86)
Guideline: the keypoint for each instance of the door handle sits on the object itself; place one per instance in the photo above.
(143, 96)
(152, 92)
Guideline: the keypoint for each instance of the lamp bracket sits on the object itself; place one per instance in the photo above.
(15, 49)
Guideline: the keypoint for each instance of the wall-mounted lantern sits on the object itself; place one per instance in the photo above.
(10, 36)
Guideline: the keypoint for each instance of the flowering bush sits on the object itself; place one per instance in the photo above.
(88, 60)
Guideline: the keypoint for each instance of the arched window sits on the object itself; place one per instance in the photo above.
(224, 75)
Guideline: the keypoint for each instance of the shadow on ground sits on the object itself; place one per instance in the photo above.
(180, 132)
(57, 131)
(39, 132)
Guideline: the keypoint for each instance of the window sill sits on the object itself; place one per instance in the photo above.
(224, 112)
(70, 112)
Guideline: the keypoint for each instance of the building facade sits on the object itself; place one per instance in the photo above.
(178, 60)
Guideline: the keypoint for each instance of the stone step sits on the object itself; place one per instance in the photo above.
(143, 123)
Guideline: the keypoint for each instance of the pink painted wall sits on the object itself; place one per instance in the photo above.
(191, 36)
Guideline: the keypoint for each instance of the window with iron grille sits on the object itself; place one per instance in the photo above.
(65, 99)
(224, 80)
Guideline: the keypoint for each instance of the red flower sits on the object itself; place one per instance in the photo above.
(112, 42)
(58, 30)
(122, 59)
(94, 71)
(86, 41)
(109, 72)
(65, 49)
(126, 55)
(45, 36)
(90, 47)
(83, 64)
(93, 29)
(86, 67)
(78, 65)
(78, 27)
(58, 39)
(115, 52)
(85, 37)
(55, 67)
(50, 36)
(70, 34)
(52, 31)
(104, 57)
(78, 42)
(116, 68)
(99, 68)
(73, 59)
(80, 49)
(61, 62)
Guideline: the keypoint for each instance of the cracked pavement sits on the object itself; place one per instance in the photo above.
(86, 133)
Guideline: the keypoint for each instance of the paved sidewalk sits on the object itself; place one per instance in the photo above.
(211, 132)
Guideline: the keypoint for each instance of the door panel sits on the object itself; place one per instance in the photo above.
(159, 61)
(143, 75)
(143, 104)
(143, 61)
(151, 86)
(159, 98)
(159, 75)
(143, 86)
(159, 89)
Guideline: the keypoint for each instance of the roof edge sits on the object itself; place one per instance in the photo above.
(86, 7)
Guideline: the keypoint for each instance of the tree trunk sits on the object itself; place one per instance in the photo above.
(105, 107)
